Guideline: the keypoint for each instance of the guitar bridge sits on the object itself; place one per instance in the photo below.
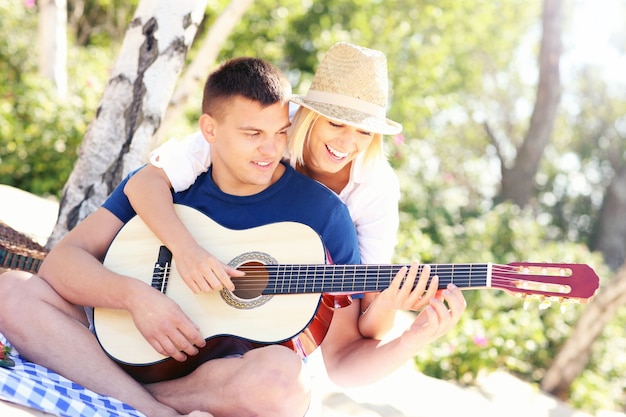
(161, 271)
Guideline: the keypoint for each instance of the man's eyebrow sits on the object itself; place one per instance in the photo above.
(256, 129)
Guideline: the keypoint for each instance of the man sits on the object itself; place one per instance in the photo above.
(245, 117)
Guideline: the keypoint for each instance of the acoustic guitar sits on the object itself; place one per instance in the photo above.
(288, 293)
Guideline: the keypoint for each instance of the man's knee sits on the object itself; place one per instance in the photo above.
(12, 289)
(23, 293)
(275, 363)
(284, 376)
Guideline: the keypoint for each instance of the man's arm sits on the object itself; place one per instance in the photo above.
(74, 269)
(149, 193)
(74, 266)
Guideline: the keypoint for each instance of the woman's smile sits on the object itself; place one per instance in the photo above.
(336, 153)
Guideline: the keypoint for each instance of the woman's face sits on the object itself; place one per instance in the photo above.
(331, 145)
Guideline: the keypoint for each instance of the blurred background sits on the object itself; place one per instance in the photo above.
(513, 148)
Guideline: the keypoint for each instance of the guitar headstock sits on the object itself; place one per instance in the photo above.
(547, 281)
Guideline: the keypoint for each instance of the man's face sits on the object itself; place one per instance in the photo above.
(247, 143)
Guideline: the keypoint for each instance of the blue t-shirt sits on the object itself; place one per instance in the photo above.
(294, 197)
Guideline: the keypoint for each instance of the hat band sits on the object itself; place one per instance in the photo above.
(346, 101)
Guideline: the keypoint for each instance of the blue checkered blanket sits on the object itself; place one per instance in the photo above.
(37, 387)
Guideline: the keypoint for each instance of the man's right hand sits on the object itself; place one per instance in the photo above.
(165, 326)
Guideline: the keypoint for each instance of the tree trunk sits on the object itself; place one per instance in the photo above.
(610, 235)
(518, 182)
(574, 355)
(197, 71)
(52, 42)
(611, 241)
(134, 100)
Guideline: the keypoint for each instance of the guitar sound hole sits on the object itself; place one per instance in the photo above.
(253, 283)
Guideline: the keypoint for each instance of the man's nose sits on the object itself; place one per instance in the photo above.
(269, 146)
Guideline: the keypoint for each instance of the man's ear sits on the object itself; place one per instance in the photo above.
(207, 127)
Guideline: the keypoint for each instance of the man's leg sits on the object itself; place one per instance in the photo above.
(54, 333)
(266, 382)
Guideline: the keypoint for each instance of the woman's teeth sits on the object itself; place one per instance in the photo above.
(336, 153)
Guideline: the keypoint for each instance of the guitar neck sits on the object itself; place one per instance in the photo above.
(11, 260)
(299, 279)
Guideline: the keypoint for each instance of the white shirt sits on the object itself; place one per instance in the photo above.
(371, 195)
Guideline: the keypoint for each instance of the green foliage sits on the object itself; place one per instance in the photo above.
(580, 162)
(498, 332)
(99, 22)
(264, 31)
(39, 131)
(601, 385)
(448, 217)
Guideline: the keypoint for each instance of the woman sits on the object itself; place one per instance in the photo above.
(336, 138)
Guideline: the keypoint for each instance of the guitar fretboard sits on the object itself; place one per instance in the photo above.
(298, 279)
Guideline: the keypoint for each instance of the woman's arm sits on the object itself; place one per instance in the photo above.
(353, 360)
(373, 205)
(150, 195)
(183, 161)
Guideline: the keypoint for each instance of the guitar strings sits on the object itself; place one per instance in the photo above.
(366, 277)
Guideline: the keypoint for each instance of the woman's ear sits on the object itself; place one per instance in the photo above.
(207, 127)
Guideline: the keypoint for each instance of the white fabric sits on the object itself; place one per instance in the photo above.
(372, 194)
(183, 160)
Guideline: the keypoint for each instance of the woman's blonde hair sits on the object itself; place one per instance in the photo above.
(301, 126)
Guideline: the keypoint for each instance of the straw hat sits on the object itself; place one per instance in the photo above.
(350, 86)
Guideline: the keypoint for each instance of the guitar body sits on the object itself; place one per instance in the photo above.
(289, 319)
